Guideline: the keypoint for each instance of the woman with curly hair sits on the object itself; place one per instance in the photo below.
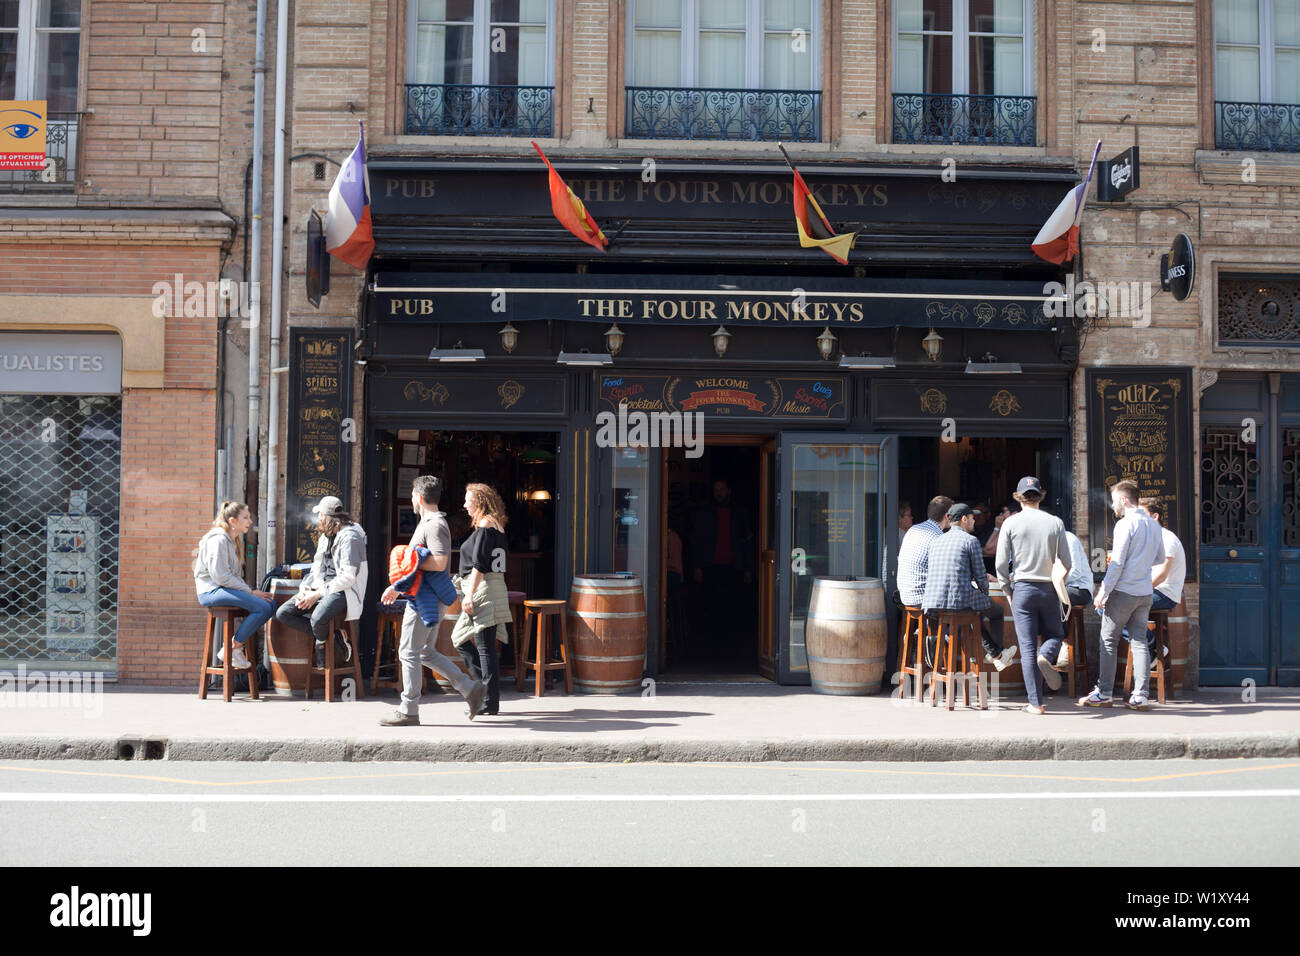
(486, 605)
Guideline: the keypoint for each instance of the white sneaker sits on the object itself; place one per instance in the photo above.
(1051, 676)
(239, 661)
(1003, 660)
(1063, 659)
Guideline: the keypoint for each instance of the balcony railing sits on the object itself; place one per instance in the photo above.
(1262, 127)
(722, 114)
(980, 119)
(63, 135)
(454, 109)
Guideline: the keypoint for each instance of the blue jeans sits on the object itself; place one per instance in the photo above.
(1036, 610)
(259, 609)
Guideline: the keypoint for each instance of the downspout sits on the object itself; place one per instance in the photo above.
(270, 491)
(253, 242)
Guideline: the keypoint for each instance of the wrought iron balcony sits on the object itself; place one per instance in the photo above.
(1263, 127)
(975, 119)
(456, 109)
(656, 112)
(63, 135)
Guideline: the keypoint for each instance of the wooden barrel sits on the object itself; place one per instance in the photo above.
(846, 635)
(1011, 678)
(1178, 643)
(607, 633)
(287, 650)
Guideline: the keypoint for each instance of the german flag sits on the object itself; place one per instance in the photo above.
(817, 231)
(569, 209)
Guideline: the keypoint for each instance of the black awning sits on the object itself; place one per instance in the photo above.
(712, 300)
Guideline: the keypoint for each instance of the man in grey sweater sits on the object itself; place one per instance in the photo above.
(1032, 541)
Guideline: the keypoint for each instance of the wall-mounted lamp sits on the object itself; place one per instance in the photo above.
(509, 338)
(826, 343)
(933, 345)
(541, 494)
(614, 339)
(721, 339)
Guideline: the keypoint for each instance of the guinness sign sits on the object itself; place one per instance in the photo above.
(1178, 268)
(1118, 177)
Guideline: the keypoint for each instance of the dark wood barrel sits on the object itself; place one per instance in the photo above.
(607, 633)
(846, 635)
(447, 624)
(1178, 643)
(288, 651)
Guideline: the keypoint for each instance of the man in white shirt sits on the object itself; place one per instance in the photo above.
(1167, 577)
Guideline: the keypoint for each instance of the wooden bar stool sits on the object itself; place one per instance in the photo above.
(1160, 624)
(516, 627)
(390, 636)
(330, 671)
(1076, 639)
(961, 632)
(228, 618)
(541, 611)
(912, 616)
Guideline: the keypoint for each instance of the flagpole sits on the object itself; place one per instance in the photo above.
(781, 147)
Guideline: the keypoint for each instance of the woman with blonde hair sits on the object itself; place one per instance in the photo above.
(219, 584)
(485, 609)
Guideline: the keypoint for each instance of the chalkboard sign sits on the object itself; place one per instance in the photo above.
(321, 432)
(1139, 427)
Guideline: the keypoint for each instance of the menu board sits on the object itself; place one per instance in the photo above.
(731, 396)
(321, 433)
(1139, 428)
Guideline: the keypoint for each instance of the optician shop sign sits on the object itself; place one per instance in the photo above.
(67, 363)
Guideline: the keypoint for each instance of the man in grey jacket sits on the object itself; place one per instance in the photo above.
(336, 583)
(1124, 598)
(1032, 541)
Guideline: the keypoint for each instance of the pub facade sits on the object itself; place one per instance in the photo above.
(619, 400)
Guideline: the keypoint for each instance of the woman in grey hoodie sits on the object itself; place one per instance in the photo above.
(217, 580)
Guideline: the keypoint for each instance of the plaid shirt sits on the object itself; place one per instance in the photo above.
(955, 562)
(912, 561)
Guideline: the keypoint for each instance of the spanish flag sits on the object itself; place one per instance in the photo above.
(569, 209)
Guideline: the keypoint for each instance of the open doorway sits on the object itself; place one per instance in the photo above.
(713, 560)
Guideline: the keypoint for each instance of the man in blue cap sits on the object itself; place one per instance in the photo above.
(1032, 541)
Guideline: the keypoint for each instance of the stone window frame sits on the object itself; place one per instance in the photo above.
(1239, 355)
(1044, 35)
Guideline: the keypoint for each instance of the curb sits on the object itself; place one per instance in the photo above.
(584, 750)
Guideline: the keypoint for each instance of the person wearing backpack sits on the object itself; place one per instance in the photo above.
(218, 582)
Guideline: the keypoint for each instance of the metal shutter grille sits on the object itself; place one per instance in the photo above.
(58, 593)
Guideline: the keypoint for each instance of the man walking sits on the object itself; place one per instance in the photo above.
(1033, 540)
(1124, 598)
(417, 647)
(956, 581)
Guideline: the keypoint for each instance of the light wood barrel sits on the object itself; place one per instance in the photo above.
(846, 635)
(288, 651)
(607, 633)
(1178, 643)
(1011, 677)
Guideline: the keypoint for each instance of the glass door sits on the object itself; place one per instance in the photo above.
(832, 522)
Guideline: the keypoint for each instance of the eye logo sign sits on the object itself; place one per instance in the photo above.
(22, 134)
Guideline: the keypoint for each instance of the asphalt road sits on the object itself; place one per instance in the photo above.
(1179, 812)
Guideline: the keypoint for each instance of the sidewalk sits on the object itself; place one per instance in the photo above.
(682, 722)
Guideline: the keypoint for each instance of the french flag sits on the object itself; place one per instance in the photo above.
(348, 232)
(1058, 240)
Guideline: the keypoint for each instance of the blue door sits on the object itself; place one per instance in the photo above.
(1250, 531)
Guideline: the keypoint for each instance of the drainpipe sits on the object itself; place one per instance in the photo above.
(253, 240)
(270, 491)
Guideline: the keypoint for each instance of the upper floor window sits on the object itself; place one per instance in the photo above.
(964, 72)
(480, 67)
(1257, 74)
(724, 69)
(40, 50)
